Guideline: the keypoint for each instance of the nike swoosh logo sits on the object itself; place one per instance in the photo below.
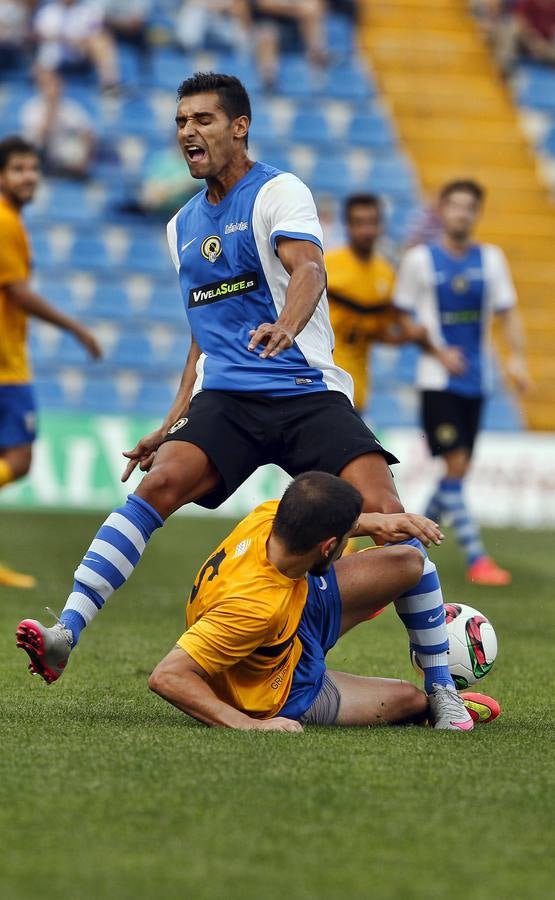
(323, 583)
(435, 618)
(89, 559)
(283, 629)
(188, 244)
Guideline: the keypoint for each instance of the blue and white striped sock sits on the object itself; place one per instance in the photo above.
(109, 561)
(422, 612)
(456, 515)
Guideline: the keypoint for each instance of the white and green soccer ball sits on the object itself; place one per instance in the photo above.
(472, 645)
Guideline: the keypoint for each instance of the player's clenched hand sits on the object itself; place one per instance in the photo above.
(89, 342)
(453, 359)
(386, 528)
(144, 452)
(277, 724)
(274, 337)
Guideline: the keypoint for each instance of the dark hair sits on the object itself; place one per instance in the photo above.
(315, 506)
(232, 94)
(362, 200)
(464, 185)
(12, 145)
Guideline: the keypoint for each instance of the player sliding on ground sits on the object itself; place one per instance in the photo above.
(259, 385)
(274, 598)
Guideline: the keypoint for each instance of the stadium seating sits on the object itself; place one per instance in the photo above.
(99, 263)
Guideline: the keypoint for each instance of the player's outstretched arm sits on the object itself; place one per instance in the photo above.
(390, 528)
(304, 262)
(21, 294)
(144, 451)
(181, 681)
(516, 367)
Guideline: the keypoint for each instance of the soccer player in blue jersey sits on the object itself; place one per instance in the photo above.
(452, 287)
(259, 385)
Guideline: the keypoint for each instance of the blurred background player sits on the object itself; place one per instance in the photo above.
(452, 287)
(360, 291)
(19, 178)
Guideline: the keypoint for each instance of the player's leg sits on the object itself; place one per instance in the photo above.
(194, 464)
(15, 463)
(378, 701)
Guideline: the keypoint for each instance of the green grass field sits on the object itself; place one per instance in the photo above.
(107, 792)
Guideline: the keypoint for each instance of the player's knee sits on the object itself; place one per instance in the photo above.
(413, 703)
(156, 681)
(409, 563)
(163, 486)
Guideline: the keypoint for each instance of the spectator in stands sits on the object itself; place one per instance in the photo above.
(269, 18)
(72, 37)
(166, 186)
(14, 21)
(128, 21)
(535, 29)
(59, 127)
(202, 23)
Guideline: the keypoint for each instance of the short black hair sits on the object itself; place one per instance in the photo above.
(14, 145)
(464, 185)
(316, 506)
(362, 200)
(231, 92)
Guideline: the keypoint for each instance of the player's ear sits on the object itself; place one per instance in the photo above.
(328, 546)
(241, 127)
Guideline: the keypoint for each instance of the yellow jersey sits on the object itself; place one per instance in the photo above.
(242, 619)
(15, 265)
(360, 299)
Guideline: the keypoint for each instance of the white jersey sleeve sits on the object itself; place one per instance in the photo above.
(500, 288)
(172, 241)
(413, 279)
(287, 209)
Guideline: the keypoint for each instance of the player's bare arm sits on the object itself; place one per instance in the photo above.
(144, 451)
(180, 680)
(304, 262)
(516, 367)
(392, 528)
(411, 332)
(21, 294)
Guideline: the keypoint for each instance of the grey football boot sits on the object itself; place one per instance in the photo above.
(447, 710)
(48, 648)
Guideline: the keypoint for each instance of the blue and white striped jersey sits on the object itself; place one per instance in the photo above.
(232, 280)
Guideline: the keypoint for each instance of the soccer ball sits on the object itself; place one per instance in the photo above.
(472, 645)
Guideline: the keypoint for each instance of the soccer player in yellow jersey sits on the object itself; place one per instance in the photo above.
(274, 598)
(360, 289)
(19, 178)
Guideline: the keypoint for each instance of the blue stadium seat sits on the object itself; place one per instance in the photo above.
(49, 393)
(548, 142)
(310, 128)
(100, 396)
(155, 398)
(348, 81)
(147, 256)
(295, 77)
(89, 253)
(111, 301)
(169, 68)
(536, 89)
(370, 130)
(340, 35)
(68, 202)
(392, 176)
(133, 350)
(262, 126)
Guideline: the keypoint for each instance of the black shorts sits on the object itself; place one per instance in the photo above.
(241, 431)
(450, 420)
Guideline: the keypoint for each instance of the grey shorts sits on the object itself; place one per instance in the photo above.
(325, 707)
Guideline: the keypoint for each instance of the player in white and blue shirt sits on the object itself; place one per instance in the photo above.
(259, 384)
(453, 287)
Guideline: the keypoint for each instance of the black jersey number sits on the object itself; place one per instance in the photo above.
(213, 563)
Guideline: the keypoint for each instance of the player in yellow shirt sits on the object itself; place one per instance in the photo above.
(360, 289)
(19, 178)
(274, 598)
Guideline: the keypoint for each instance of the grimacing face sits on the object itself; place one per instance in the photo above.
(207, 137)
(363, 227)
(459, 214)
(20, 178)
